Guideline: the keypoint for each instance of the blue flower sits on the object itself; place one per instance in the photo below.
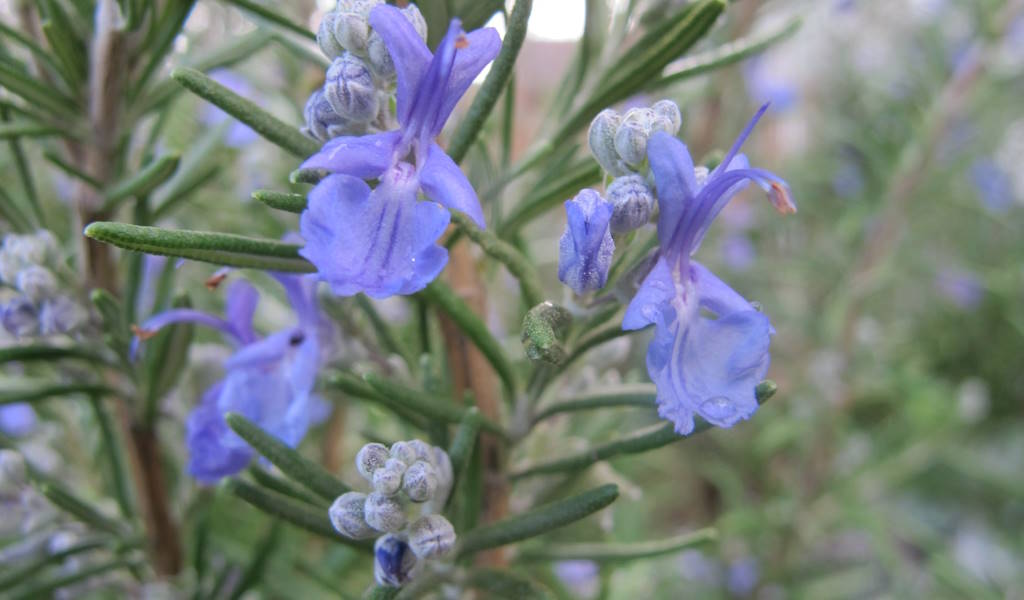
(701, 366)
(374, 242)
(18, 419)
(586, 248)
(269, 380)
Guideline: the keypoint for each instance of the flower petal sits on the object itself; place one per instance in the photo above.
(479, 49)
(408, 52)
(715, 295)
(651, 300)
(265, 352)
(364, 156)
(586, 247)
(677, 186)
(442, 181)
(205, 431)
(239, 308)
(381, 244)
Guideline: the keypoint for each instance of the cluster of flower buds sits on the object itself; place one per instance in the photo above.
(32, 305)
(357, 91)
(406, 476)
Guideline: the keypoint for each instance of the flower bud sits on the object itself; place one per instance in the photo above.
(370, 458)
(404, 452)
(632, 135)
(601, 138)
(351, 26)
(36, 282)
(632, 201)
(544, 329)
(423, 450)
(349, 89)
(394, 563)
(379, 58)
(61, 315)
(322, 123)
(19, 317)
(384, 513)
(668, 117)
(444, 470)
(420, 481)
(347, 516)
(586, 247)
(415, 18)
(431, 536)
(325, 37)
(13, 473)
(388, 479)
(31, 249)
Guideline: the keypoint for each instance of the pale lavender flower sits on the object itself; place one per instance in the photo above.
(384, 242)
(18, 419)
(963, 288)
(701, 366)
(993, 185)
(586, 247)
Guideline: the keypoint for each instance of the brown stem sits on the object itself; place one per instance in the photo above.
(471, 372)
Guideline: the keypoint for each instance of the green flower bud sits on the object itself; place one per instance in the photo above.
(420, 481)
(544, 327)
(632, 202)
(388, 479)
(347, 516)
(370, 458)
(601, 138)
(431, 536)
(384, 513)
(349, 89)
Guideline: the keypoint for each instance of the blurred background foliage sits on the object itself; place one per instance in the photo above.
(888, 465)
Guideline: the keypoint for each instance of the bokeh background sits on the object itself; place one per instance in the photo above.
(889, 463)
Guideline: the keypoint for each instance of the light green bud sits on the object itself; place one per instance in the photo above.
(431, 536)
(601, 138)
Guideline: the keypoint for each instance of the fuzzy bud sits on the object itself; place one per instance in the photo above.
(61, 315)
(388, 479)
(349, 89)
(36, 282)
(404, 452)
(544, 329)
(347, 516)
(20, 318)
(423, 450)
(431, 536)
(586, 247)
(394, 563)
(632, 201)
(632, 135)
(13, 473)
(322, 123)
(420, 481)
(370, 458)
(377, 51)
(325, 37)
(415, 18)
(601, 138)
(384, 513)
(669, 119)
(351, 26)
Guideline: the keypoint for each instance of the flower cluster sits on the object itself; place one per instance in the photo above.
(701, 366)
(32, 305)
(269, 380)
(360, 82)
(383, 241)
(408, 474)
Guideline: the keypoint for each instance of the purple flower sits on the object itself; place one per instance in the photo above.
(18, 419)
(373, 242)
(993, 185)
(586, 248)
(269, 380)
(703, 366)
(962, 288)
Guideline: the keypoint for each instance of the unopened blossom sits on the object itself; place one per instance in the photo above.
(701, 366)
(383, 241)
(269, 380)
(586, 247)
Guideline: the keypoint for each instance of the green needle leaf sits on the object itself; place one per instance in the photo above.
(13, 129)
(422, 403)
(273, 17)
(246, 111)
(498, 583)
(573, 178)
(217, 248)
(304, 471)
(45, 392)
(286, 201)
(461, 449)
(537, 521)
(517, 264)
(143, 182)
(79, 508)
(48, 354)
(475, 329)
(639, 395)
(35, 93)
(618, 553)
(254, 571)
(301, 515)
(494, 84)
(44, 589)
